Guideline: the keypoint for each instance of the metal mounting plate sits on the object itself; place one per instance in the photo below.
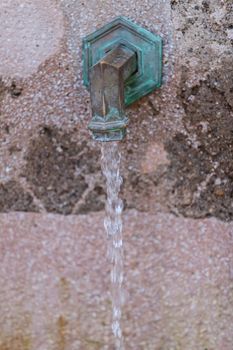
(148, 48)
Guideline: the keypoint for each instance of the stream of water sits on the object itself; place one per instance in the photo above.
(110, 163)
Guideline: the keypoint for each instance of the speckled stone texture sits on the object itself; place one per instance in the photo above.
(30, 33)
(55, 281)
(179, 144)
(178, 179)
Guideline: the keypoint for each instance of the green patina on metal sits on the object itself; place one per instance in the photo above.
(126, 43)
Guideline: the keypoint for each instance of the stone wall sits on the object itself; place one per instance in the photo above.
(180, 137)
(176, 164)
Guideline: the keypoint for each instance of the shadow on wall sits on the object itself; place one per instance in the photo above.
(63, 176)
(201, 167)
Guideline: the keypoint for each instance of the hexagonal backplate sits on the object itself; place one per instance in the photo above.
(148, 48)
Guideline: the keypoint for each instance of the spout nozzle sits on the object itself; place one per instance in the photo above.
(109, 135)
(111, 130)
(107, 79)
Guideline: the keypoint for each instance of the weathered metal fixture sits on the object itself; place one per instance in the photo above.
(121, 63)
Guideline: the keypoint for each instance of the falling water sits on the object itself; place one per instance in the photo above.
(110, 163)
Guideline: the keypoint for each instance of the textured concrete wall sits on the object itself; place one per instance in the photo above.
(177, 168)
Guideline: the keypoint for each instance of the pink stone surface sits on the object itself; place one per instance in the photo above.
(54, 292)
(31, 31)
(155, 157)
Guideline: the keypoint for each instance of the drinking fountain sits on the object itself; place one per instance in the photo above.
(122, 62)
